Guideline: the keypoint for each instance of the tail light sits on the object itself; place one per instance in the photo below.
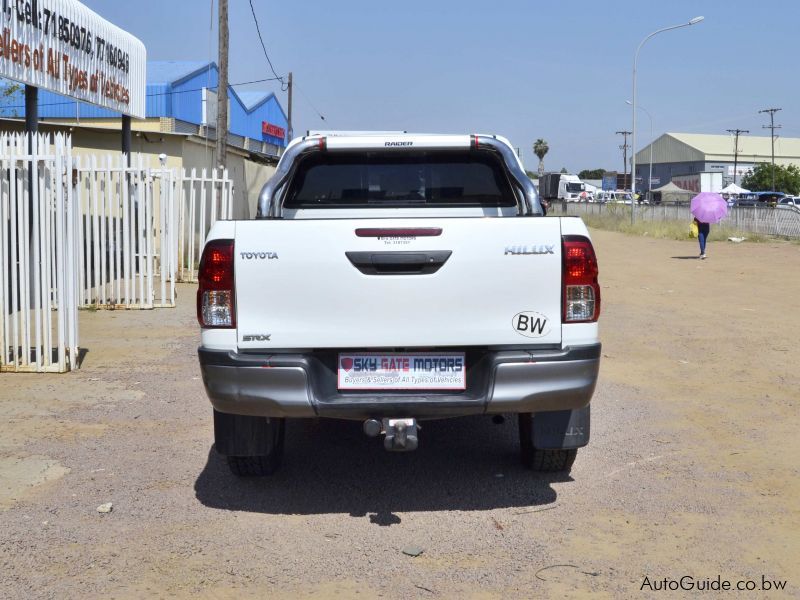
(216, 301)
(581, 295)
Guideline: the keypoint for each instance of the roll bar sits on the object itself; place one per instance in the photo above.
(532, 206)
(267, 207)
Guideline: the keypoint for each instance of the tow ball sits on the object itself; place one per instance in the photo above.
(401, 434)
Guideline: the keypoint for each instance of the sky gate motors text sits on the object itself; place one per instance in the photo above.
(405, 364)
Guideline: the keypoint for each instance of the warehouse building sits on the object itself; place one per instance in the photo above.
(677, 154)
(180, 123)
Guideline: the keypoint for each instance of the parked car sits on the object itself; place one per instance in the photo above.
(373, 287)
(613, 197)
(789, 202)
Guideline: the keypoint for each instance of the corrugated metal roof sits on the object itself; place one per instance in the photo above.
(759, 145)
(685, 147)
(172, 71)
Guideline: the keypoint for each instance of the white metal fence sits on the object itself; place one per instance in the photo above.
(128, 236)
(204, 198)
(777, 221)
(97, 231)
(39, 227)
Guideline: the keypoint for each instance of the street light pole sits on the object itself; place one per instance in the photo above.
(633, 105)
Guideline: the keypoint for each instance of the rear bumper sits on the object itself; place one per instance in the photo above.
(304, 385)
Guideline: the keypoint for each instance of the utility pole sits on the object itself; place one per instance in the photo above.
(772, 127)
(222, 87)
(290, 133)
(624, 147)
(736, 133)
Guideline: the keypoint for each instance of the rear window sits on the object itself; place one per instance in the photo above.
(399, 179)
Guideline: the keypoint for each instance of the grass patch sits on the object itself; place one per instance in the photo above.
(668, 230)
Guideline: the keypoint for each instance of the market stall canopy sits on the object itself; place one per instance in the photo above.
(673, 193)
(732, 188)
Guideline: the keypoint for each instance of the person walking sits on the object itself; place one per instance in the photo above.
(703, 230)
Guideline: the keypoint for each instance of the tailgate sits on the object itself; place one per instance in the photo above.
(319, 284)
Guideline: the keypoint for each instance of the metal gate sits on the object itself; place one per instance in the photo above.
(38, 241)
(128, 234)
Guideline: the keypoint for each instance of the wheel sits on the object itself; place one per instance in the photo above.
(546, 461)
(252, 445)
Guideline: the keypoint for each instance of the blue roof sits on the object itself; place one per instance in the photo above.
(251, 98)
(174, 71)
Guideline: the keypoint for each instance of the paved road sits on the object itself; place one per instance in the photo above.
(692, 469)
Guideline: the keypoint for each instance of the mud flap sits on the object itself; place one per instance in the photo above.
(563, 429)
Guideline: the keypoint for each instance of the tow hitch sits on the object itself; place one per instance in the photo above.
(401, 434)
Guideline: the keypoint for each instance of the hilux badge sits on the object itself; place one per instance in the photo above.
(541, 249)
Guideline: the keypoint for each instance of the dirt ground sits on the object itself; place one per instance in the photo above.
(692, 469)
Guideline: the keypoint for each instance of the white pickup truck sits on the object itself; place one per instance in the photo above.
(396, 278)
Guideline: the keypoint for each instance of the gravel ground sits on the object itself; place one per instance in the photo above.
(692, 469)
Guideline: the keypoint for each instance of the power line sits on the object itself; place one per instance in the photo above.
(772, 127)
(319, 114)
(282, 79)
(264, 47)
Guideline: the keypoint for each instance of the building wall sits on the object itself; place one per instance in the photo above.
(248, 123)
(664, 171)
(248, 176)
(186, 97)
(668, 149)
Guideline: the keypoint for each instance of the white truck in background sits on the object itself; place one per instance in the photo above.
(561, 186)
(395, 278)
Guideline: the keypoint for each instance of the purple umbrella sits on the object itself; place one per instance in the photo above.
(708, 207)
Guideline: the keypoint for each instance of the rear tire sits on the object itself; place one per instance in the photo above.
(544, 461)
(252, 445)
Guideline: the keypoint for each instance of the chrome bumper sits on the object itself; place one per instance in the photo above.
(304, 385)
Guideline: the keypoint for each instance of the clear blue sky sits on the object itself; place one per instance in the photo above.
(555, 69)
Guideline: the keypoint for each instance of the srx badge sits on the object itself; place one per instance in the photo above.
(531, 324)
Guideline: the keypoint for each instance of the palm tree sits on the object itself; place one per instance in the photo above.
(540, 148)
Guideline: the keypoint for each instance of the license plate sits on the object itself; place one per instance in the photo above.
(422, 371)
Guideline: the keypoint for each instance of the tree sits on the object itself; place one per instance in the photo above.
(564, 170)
(540, 148)
(592, 173)
(787, 179)
(532, 175)
(8, 92)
